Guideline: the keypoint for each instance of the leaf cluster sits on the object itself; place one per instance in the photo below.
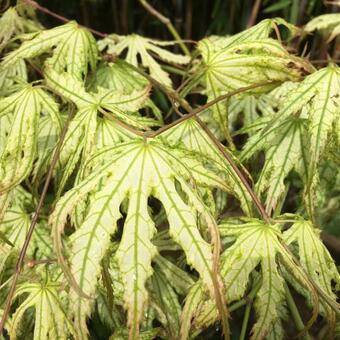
(152, 229)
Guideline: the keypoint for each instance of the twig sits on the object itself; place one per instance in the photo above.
(173, 69)
(120, 123)
(33, 263)
(167, 22)
(254, 13)
(35, 68)
(84, 12)
(34, 221)
(62, 18)
(5, 6)
(238, 172)
(193, 113)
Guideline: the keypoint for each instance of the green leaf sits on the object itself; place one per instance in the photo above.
(166, 299)
(137, 45)
(250, 107)
(245, 109)
(262, 30)
(5, 127)
(243, 64)
(19, 152)
(120, 77)
(136, 170)
(51, 321)
(110, 133)
(194, 138)
(327, 24)
(117, 76)
(48, 135)
(15, 224)
(87, 127)
(257, 243)
(74, 48)
(315, 99)
(190, 310)
(144, 335)
(116, 103)
(10, 76)
(10, 24)
(179, 279)
(285, 148)
(317, 261)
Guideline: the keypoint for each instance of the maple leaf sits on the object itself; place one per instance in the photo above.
(137, 170)
(74, 48)
(140, 46)
(327, 24)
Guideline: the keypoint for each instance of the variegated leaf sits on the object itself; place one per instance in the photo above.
(74, 48)
(51, 320)
(136, 170)
(19, 153)
(285, 149)
(317, 261)
(194, 138)
(256, 244)
(327, 24)
(140, 46)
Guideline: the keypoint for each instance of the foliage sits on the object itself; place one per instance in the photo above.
(154, 228)
(328, 24)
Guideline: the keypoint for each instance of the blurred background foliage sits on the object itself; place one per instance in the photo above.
(193, 19)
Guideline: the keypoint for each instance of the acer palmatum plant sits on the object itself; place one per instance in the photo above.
(115, 224)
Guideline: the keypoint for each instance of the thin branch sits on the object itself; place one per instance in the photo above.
(254, 13)
(34, 221)
(62, 18)
(33, 263)
(84, 12)
(238, 172)
(120, 123)
(167, 22)
(195, 112)
(5, 6)
(35, 68)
